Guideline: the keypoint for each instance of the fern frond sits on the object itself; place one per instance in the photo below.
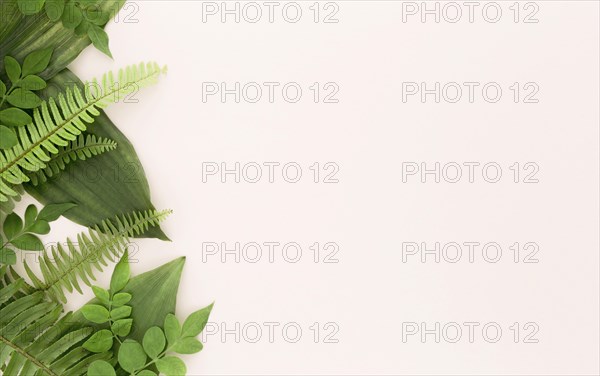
(58, 121)
(32, 339)
(63, 266)
(82, 148)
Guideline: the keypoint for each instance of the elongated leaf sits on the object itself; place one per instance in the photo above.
(104, 186)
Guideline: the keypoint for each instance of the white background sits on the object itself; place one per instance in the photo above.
(371, 212)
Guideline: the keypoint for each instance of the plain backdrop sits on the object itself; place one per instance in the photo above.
(365, 313)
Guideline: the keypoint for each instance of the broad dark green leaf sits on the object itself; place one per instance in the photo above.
(14, 117)
(13, 69)
(8, 138)
(36, 62)
(40, 227)
(33, 82)
(30, 215)
(52, 212)
(131, 356)
(13, 225)
(100, 39)
(101, 368)
(154, 342)
(29, 7)
(23, 98)
(121, 273)
(2, 88)
(104, 186)
(99, 342)
(55, 9)
(72, 15)
(171, 366)
(83, 28)
(196, 322)
(28, 242)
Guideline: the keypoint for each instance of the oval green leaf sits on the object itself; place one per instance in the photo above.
(154, 342)
(8, 138)
(24, 98)
(99, 342)
(14, 117)
(95, 313)
(171, 366)
(101, 368)
(131, 356)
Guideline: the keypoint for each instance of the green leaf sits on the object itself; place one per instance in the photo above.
(2, 88)
(28, 242)
(72, 15)
(99, 39)
(29, 7)
(120, 312)
(96, 16)
(13, 225)
(32, 82)
(101, 368)
(99, 342)
(24, 98)
(102, 295)
(14, 117)
(52, 212)
(8, 138)
(40, 227)
(171, 366)
(30, 215)
(122, 328)
(120, 275)
(83, 28)
(36, 62)
(196, 322)
(146, 372)
(95, 313)
(121, 299)
(172, 329)
(13, 69)
(55, 9)
(154, 342)
(188, 345)
(131, 356)
(8, 256)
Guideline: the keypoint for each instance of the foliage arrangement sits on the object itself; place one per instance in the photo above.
(52, 129)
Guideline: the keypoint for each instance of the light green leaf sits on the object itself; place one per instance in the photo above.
(14, 117)
(120, 275)
(30, 215)
(122, 328)
(13, 225)
(171, 366)
(55, 9)
(40, 227)
(51, 212)
(146, 372)
(29, 7)
(8, 256)
(36, 62)
(13, 69)
(32, 82)
(99, 342)
(121, 299)
(196, 322)
(131, 356)
(100, 39)
(72, 15)
(28, 242)
(102, 295)
(95, 313)
(24, 98)
(8, 138)
(120, 312)
(172, 328)
(188, 345)
(154, 342)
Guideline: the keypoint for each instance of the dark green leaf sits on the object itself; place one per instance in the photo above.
(72, 15)
(29, 7)
(122, 328)
(99, 342)
(121, 299)
(101, 368)
(95, 313)
(131, 356)
(32, 82)
(23, 98)
(154, 342)
(28, 242)
(30, 215)
(13, 225)
(100, 39)
(40, 227)
(36, 61)
(188, 345)
(55, 9)
(8, 138)
(8, 256)
(13, 69)
(2, 88)
(196, 322)
(83, 28)
(96, 16)
(120, 275)
(51, 212)
(120, 312)
(102, 295)
(14, 117)
(171, 366)
(172, 329)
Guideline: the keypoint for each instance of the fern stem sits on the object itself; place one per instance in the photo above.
(29, 357)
